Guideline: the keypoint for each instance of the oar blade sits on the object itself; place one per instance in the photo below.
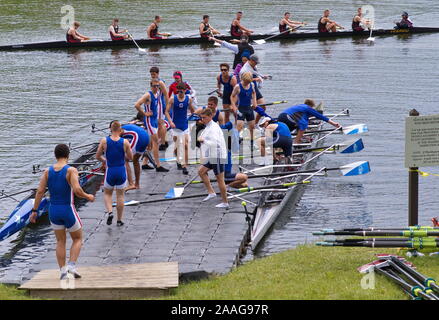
(355, 168)
(355, 129)
(262, 41)
(353, 146)
(174, 193)
(128, 203)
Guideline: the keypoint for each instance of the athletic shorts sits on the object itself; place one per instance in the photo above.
(64, 217)
(115, 178)
(258, 93)
(217, 167)
(229, 177)
(151, 125)
(246, 113)
(284, 142)
(288, 120)
(226, 98)
(179, 131)
(139, 146)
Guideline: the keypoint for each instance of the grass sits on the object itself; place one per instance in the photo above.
(308, 273)
(305, 273)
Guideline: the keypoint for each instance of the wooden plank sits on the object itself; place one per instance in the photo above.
(107, 282)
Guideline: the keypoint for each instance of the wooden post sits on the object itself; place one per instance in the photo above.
(413, 187)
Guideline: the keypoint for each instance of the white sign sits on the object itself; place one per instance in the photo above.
(422, 141)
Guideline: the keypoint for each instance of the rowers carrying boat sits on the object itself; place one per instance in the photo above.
(73, 36)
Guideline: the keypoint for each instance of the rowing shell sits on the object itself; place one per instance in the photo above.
(199, 40)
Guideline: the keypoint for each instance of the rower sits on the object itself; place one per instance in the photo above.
(115, 33)
(179, 104)
(240, 49)
(116, 150)
(250, 66)
(278, 135)
(285, 23)
(212, 104)
(405, 22)
(162, 103)
(357, 21)
(326, 25)
(214, 155)
(178, 78)
(237, 29)
(244, 95)
(73, 36)
(206, 29)
(150, 102)
(296, 117)
(62, 182)
(228, 82)
(153, 30)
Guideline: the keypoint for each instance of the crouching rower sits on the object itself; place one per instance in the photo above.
(139, 141)
(116, 150)
(73, 36)
(214, 156)
(297, 117)
(62, 182)
(278, 135)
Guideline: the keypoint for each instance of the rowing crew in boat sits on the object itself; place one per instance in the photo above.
(326, 25)
(237, 29)
(206, 30)
(285, 23)
(405, 22)
(153, 30)
(359, 23)
(73, 36)
(115, 33)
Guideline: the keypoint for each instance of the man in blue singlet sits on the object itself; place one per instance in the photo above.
(297, 117)
(149, 106)
(212, 104)
(228, 82)
(277, 135)
(179, 104)
(161, 107)
(62, 182)
(112, 152)
(139, 141)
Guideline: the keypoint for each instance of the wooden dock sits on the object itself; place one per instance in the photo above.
(129, 281)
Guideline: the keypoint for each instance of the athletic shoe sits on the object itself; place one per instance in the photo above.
(71, 268)
(63, 273)
(147, 167)
(185, 171)
(209, 196)
(161, 169)
(110, 218)
(179, 167)
(223, 205)
(120, 223)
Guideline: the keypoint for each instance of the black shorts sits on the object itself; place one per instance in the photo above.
(258, 93)
(226, 98)
(217, 167)
(284, 142)
(288, 120)
(246, 113)
(229, 177)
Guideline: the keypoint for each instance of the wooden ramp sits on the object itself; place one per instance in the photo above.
(128, 281)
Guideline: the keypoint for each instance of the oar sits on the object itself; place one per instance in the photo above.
(262, 41)
(346, 170)
(349, 130)
(212, 92)
(178, 192)
(370, 35)
(347, 147)
(382, 233)
(263, 104)
(141, 51)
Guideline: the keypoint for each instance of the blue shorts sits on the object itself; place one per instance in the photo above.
(64, 217)
(229, 177)
(284, 142)
(115, 177)
(246, 113)
(217, 167)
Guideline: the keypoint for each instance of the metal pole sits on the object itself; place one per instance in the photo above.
(413, 187)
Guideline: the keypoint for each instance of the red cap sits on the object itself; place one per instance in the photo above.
(178, 74)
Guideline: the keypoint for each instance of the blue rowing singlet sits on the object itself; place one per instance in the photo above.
(282, 129)
(179, 114)
(152, 107)
(59, 189)
(245, 96)
(115, 153)
(227, 86)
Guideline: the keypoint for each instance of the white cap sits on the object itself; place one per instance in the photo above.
(263, 120)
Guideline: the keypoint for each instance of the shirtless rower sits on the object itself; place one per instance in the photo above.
(206, 29)
(153, 30)
(150, 102)
(285, 23)
(327, 25)
(237, 29)
(73, 36)
(358, 21)
(115, 33)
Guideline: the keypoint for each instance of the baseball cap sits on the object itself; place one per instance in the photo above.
(178, 74)
(263, 120)
(255, 58)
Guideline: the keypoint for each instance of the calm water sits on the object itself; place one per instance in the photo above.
(48, 97)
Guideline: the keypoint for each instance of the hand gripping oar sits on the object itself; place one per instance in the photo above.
(262, 41)
(141, 51)
(346, 170)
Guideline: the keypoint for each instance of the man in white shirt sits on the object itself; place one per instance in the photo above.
(214, 156)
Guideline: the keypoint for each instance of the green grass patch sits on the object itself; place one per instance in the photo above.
(307, 272)
(12, 293)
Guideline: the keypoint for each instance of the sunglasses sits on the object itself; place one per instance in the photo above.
(180, 91)
(155, 86)
(224, 70)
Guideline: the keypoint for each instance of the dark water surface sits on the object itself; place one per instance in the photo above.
(48, 97)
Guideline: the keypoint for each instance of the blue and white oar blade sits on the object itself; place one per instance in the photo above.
(128, 203)
(174, 193)
(355, 129)
(355, 168)
(353, 146)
